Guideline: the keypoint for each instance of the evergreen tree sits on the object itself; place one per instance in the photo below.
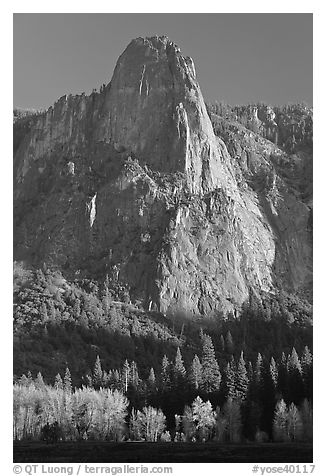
(293, 361)
(250, 372)
(241, 379)
(165, 373)
(306, 358)
(283, 380)
(105, 379)
(67, 381)
(39, 382)
(280, 422)
(211, 376)
(273, 373)
(89, 381)
(23, 381)
(229, 379)
(58, 383)
(307, 372)
(179, 371)
(258, 375)
(296, 389)
(196, 370)
(151, 379)
(29, 377)
(268, 399)
(97, 373)
(252, 408)
(134, 376)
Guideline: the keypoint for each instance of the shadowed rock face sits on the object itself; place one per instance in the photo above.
(133, 183)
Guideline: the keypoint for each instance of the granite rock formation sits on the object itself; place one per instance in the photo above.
(190, 211)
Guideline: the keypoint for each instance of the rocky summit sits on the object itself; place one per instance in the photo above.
(191, 208)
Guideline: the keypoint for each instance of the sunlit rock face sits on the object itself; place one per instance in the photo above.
(133, 183)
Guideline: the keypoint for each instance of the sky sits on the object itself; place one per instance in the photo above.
(239, 58)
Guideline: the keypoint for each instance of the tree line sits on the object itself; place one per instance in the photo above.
(204, 399)
(59, 322)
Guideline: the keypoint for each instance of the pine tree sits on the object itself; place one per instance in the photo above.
(151, 379)
(196, 370)
(89, 381)
(211, 376)
(58, 383)
(307, 372)
(306, 358)
(29, 377)
(283, 377)
(179, 371)
(241, 379)
(105, 379)
(39, 382)
(116, 379)
(252, 409)
(229, 379)
(268, 399)
(23, 381)
(258, 372)
(165, 373)
(134, 376)
(273, 373)
(293, 361)
(67, 381)
(251, 383)
(97, 373)
(296, 388)
(280, 422)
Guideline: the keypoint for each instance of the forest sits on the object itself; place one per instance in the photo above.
(90, 365)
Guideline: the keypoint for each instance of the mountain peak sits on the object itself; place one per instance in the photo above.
(156, 42)
(133, 183)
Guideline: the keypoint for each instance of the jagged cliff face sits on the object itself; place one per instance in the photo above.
(133, 183)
